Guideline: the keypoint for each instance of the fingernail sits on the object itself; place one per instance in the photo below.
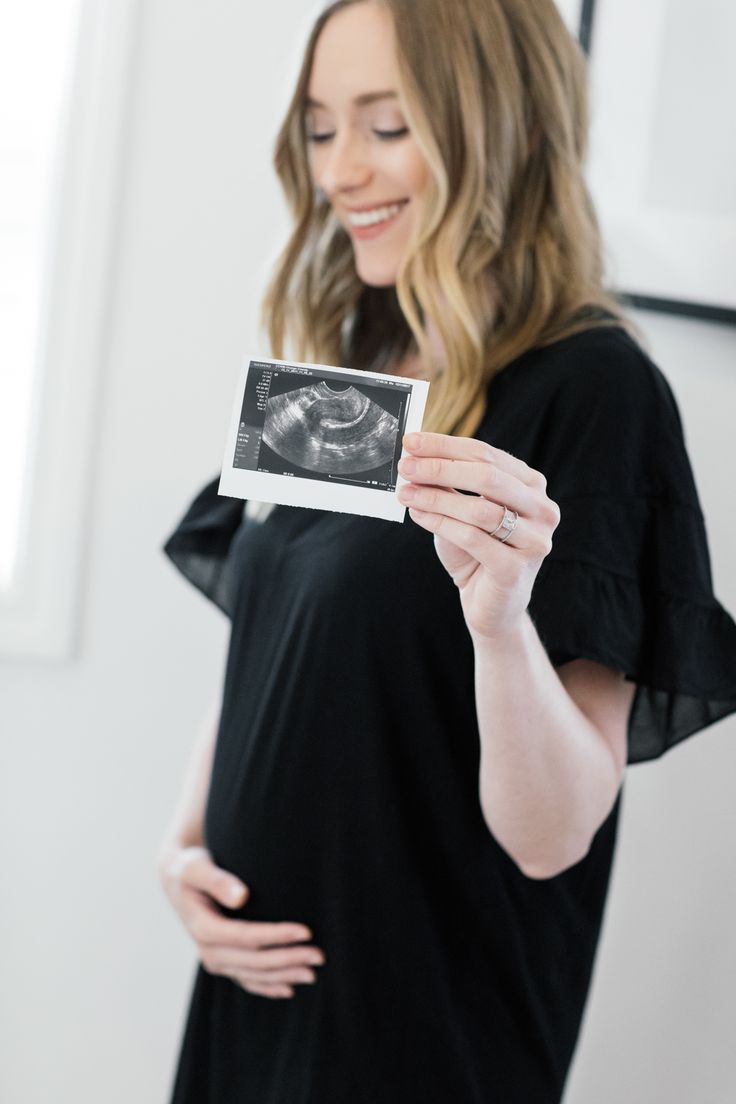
(235, 891)
(411, 440)
(407, 465)
(316, 959)
(302, 933)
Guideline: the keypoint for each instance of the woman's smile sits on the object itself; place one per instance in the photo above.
(365, 225)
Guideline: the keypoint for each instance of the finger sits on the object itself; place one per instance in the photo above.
(279, 977)
(199, 870)
(265, 990)
(472, 509)
(470, 448)
(279, 958)
(481, 478)
(477, 511)
(267, 962)
(212, 927)
(228, 964)
(270, 958)
(487, 550)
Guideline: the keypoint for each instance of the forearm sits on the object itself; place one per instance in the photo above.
(186, 826)
(547, 776)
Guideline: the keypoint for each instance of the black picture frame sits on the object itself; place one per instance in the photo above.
(687, 308)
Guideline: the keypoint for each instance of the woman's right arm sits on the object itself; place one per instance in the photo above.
(263, 957)
(186, 827)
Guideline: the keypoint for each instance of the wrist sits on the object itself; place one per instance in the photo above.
(516, 635)
(177, 841)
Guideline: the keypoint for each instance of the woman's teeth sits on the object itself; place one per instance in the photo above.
(378, 214)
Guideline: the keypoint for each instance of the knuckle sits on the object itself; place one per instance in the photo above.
(541, 546)
(487, 513)
(251, 959)
(476, 538)
(490, 478)
(280, 959)
(260, 934)
(274, 960)
(198, 932)
(549, 512)
(433, 466)
(268, 989)
(208, 963)
(289, 976)
(429, 499)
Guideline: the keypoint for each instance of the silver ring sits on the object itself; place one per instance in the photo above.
(508, 522)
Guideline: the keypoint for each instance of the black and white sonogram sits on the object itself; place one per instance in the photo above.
(330, 428)
(323, 437)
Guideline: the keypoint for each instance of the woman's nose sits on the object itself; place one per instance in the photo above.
(343, 166)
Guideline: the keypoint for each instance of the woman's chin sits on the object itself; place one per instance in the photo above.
(375, 273)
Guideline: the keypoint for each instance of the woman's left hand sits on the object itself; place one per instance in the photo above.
(494, 577)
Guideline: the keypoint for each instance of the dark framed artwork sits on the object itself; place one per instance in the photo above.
(662, 157)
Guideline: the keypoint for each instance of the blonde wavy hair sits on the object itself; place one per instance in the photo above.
(507, 254)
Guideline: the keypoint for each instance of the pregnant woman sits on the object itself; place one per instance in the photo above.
(393, 850)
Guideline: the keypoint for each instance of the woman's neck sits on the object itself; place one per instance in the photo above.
(413, 365)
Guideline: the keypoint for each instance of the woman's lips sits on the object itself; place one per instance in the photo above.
(364, 233)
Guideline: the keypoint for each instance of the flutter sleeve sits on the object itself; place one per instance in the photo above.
(628, 581)
(200, 544)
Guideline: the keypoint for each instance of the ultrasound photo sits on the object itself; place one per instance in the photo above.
(335, 429)
(322, 437)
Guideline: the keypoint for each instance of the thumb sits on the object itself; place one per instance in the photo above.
(228, 889)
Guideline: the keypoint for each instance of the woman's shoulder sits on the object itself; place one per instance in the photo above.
(599, 356)
(602, 368)
(593, 412)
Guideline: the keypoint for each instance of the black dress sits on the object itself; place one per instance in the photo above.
(344, 787)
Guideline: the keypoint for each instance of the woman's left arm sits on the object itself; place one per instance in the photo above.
(553, 741)
(553, 749)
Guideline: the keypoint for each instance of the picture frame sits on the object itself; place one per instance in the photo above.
(662, 155)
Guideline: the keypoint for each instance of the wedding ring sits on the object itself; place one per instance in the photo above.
(508, 524)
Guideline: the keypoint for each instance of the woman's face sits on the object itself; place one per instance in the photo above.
(362, 154)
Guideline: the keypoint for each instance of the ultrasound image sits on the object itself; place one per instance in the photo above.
(338, 432)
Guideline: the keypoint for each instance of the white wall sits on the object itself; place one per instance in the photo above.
(96, 969)
(659, 1024)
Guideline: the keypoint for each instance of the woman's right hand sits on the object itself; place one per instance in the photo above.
(260, 956)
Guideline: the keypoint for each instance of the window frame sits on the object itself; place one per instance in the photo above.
(40, 609)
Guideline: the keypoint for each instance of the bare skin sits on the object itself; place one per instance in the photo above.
(265, 958)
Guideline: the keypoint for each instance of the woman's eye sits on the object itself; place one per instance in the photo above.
(392, 133)
(384, 134)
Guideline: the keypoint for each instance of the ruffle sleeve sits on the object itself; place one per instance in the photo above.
(628, 581)
(200, 544)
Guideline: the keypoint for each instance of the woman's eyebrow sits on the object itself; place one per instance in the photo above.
(364, 98)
